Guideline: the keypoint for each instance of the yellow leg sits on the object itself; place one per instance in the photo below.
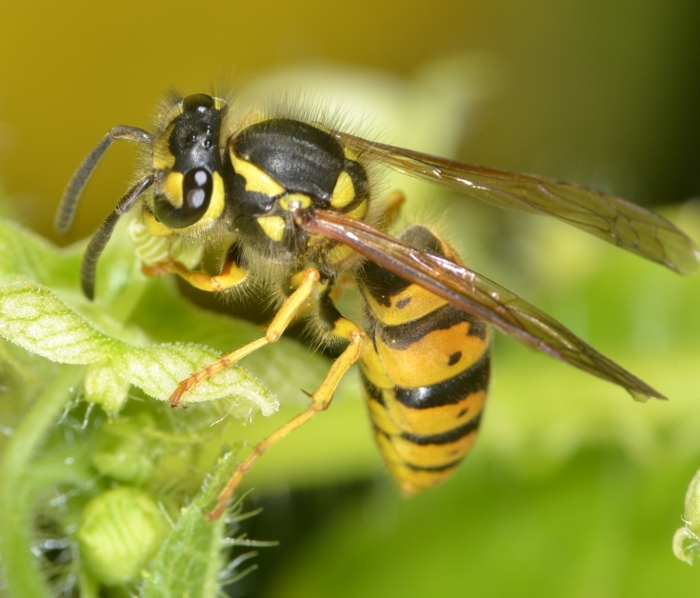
(274, 331)
(320, 400)
(390, 209)
(231, 275)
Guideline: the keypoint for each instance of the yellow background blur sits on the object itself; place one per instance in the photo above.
(602, 92)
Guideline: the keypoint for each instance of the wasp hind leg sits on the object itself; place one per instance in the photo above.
(336, 326)
(391, 209)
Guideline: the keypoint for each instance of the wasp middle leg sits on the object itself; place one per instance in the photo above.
(337, 327)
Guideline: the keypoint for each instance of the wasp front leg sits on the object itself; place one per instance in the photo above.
(286, 314)
(231, 275)
(161, 255)
(335, 326)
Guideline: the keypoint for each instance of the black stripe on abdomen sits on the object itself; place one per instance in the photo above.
(448, 392)
(446, 437)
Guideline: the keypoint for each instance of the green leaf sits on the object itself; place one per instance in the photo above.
(41, 321)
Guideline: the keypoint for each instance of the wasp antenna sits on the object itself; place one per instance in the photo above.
(102, 235)
(69, 201)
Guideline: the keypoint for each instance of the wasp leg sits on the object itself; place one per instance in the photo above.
(320, 400)
(231, 275)
(390, 209)
(282, 319)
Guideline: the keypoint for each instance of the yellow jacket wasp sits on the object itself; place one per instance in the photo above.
(287, 205)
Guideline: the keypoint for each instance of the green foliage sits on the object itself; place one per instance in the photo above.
(189, 562)
(569, 475)
(42, 321)
(105, 485)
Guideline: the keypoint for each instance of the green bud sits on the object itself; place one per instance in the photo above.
(104, 386)
(119, 532)
(686, 540)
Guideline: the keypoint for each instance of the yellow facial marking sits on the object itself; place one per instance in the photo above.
(344, 191)
(163, 161)
(256, 181)
(273, 226)
(173, 188)
(295, 201)
(162, 158)
(216, 205)
(155, 228)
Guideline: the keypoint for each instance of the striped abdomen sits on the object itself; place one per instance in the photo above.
(425, 367)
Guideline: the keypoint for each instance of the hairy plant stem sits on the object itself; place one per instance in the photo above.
(20, 567)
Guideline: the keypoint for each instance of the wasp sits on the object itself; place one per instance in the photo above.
(287, 205)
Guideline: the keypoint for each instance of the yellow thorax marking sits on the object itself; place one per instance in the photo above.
(338, 254)
(344, 191)
(273, 226)
(360, 211)
(256, 180)
(295, 201)
(351, 154)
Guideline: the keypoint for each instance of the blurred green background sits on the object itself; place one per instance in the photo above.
(573, 489)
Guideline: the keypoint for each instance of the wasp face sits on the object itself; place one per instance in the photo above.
(189, 189)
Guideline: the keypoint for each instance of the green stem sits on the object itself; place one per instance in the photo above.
(22, 574)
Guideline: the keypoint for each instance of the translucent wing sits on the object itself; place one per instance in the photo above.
(612, 219)
(477, 295)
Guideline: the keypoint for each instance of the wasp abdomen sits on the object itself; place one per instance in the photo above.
(425, 368)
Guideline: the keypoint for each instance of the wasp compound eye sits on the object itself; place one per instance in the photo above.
(196, 190)
(198, 102)
(197, 187)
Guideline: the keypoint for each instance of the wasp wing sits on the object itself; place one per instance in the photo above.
(475, 294)
(612, 219)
